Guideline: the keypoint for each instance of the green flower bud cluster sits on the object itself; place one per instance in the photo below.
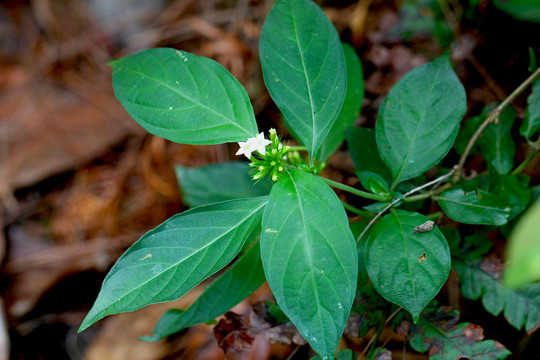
(273, 162)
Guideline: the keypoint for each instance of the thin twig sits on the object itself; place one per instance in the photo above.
(436, 182)
(493, 116)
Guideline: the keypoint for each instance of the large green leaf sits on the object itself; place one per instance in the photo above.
(218, 182)
(171, 259)
(364, 153)
(309, 258)
(527, 10)
(351, 106)
(233, 286)
(407, 268)
(304, 69)
(183, 97)
(419, 119)
(521, 306)
(496, 143)
(523, 253)
(439, 332)
(474, 207)
(531, 123)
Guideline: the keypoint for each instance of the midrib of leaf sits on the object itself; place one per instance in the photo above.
(205, 247)
(309, 254)
(407, 253)
(396, 181)
(187, 98)
(313, 122)
(470, 204)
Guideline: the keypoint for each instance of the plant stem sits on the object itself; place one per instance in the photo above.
(357, 211)
(435, 215)
(407, 194)
(298, 148)
(354, 191)
(492, 116)
(376, 337)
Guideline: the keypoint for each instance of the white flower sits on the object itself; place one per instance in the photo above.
(257, 143)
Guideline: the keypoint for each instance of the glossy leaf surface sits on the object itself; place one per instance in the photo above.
(183, 97)
(309, 258)
(171, 259)
(218, 182)
(351, 106)
(304, 69)
(364, 153)
(234, 285)
(419, 120)
(474, 207)
(406, 268)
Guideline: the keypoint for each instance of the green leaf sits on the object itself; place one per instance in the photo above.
(407, 268)
(419, 119)
(474, 207)
(439, 333)
(373, 182)
(309, 258)
(171, 259)
(527, 10)
(523, 252)
(521, 306)
(183, 97)
(233, 286)
(218, 182)
(531, 123)
(514, 192)
(304, 69)
(466, 131)
(364, 152)
(341, 355)
(496, 143)
(351, 106)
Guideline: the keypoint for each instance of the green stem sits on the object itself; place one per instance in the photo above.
(354, 191)
(524, 164)
(357, 211)
(298, 148)
(435, 215)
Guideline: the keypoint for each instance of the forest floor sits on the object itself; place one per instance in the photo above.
(80, 181)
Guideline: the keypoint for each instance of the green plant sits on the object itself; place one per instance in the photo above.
(307, 252)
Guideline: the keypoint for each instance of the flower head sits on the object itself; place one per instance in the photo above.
(257, 143)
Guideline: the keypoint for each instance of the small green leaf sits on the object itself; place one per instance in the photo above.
(496, 143)
(183, 97)
(439, 332)
(304, 69)
(407, 268)
(364, 152)
(514, 192)
(466, 131)
(171, 259)
(531, 123)
(474, 207)
(521, 306)
(523, 253)
(527, 10)
(351, 106)
(373, 182)
(309, 258)
(218, 182)
(419, 119)
(237, 283)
